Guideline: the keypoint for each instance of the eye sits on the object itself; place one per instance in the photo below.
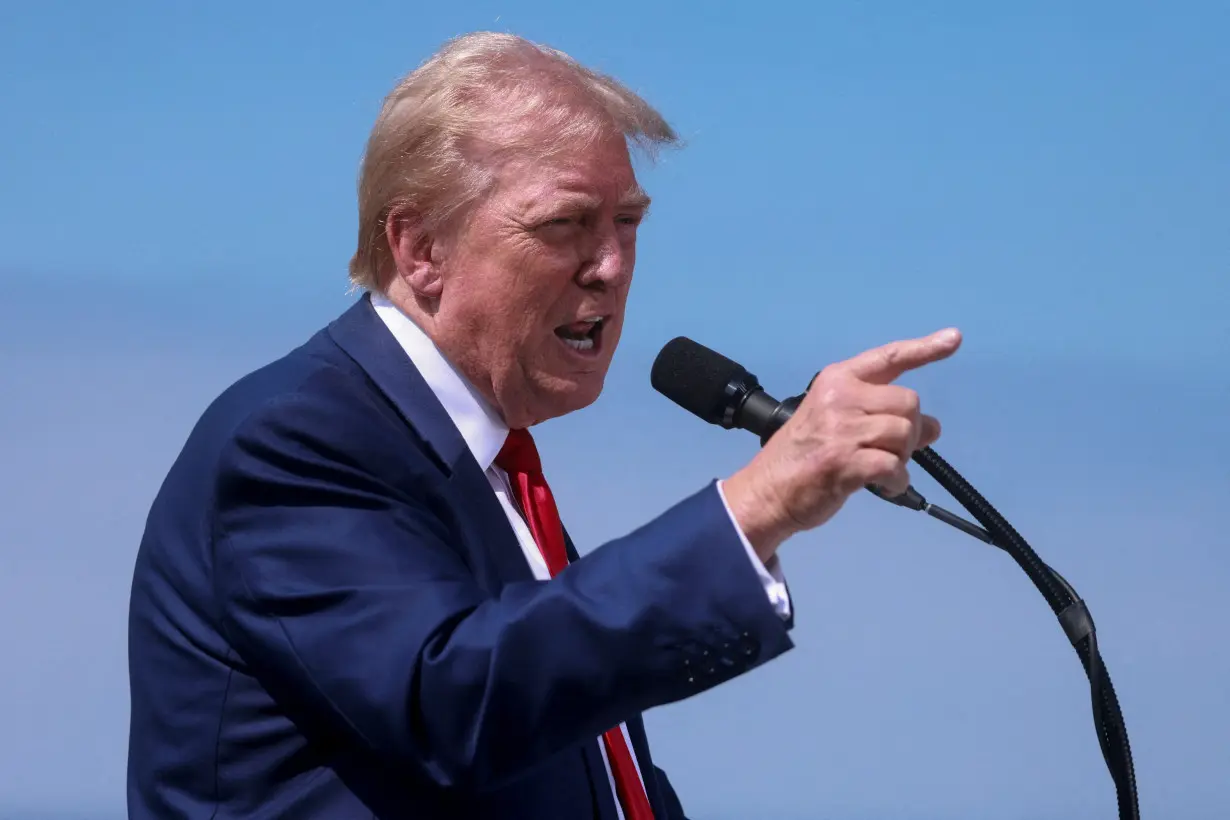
(628, 223)
(559, 223)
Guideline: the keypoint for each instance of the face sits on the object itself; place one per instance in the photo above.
(532, 288)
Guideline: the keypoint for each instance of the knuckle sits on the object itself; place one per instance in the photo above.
(877, 465)
(890, 356)
(830, 395)
(899, 430)
(912, 402)
(829, 373)
(898, 482)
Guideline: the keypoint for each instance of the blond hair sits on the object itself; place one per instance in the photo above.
(481, 88)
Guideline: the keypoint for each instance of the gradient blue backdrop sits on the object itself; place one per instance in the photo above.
(177, 207)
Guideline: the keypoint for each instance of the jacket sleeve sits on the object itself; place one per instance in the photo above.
(340, 588)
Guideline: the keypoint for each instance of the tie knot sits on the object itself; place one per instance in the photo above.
(519, 455)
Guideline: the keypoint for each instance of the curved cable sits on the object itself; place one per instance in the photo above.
(1073, 615)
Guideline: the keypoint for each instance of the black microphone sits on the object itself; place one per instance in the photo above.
(723, 392)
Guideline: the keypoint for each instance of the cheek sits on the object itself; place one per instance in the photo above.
(629, 246)
(628, 263)
(549, 285)
(530, 312)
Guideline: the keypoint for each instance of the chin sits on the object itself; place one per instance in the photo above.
(561, 397)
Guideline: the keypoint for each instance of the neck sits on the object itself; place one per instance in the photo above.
(425, 314)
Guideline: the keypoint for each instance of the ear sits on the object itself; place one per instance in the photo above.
(416, 253)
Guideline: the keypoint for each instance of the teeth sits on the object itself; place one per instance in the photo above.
(578, 344)
(581, 335)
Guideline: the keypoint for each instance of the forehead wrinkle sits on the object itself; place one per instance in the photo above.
(537, 182)
(552, 195)
(544, 197)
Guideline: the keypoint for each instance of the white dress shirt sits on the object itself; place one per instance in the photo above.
(484, 433)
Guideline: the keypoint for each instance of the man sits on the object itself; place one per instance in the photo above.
(354, 597)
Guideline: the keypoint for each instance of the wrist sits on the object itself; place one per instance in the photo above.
(759, 518)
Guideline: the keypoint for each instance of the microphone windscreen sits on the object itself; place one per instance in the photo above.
(695, 378)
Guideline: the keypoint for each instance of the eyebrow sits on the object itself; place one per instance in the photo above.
(635, 197)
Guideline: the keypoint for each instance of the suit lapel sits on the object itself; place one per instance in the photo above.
(365, 338)
(368, 341)
(490, 521)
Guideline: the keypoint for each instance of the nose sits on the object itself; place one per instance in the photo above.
(609, 263)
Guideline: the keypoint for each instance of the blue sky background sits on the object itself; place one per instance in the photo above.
(177, 207)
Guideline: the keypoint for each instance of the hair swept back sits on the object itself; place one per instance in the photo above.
(479, 87)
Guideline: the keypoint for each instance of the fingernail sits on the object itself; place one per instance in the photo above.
(949, 335)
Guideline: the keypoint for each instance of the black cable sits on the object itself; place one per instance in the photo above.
(724, 393)
(1068, 607)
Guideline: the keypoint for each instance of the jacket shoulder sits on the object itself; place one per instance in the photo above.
(313, 398)
(314, 383)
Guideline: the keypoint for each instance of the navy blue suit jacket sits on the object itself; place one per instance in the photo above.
(332, 618)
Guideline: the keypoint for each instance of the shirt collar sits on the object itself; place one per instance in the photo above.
(477, 421)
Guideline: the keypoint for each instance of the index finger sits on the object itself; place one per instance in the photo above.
(884, 364)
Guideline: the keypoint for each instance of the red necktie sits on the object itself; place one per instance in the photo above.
(519, 458)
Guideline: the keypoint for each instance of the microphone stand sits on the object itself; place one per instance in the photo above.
(688, 373)
(1069, 608)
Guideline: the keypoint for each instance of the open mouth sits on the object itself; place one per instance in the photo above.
(584, 336)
